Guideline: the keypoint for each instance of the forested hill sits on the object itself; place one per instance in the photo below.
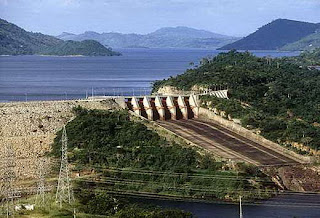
(274, 35)
(307, 43)
(85, 48)
(16, 41)
(278, 97)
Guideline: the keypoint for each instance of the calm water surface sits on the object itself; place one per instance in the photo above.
(47, 78)
(283, 206)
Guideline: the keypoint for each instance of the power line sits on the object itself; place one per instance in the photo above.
(174, 174)
(193, 175)
(178, 197)
(180, 187)
(127, 181)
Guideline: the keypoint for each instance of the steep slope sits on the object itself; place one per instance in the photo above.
(173, 37)
(16, 41)
(274, 35)
(309, 42)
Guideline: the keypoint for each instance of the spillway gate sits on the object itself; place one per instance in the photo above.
(164, 107)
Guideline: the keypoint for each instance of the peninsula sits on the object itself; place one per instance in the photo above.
(17, 41)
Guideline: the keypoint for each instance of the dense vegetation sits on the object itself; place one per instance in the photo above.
(93, 204)
(134, 159)
(86, 48)
(306, 58)
(274, 35)
(99, 202)
(277, 96)
(16, 41)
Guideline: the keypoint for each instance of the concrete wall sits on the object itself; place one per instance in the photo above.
(30, 127)
(164, 107)
(205, 113)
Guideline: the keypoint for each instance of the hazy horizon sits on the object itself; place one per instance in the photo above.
(228, 17)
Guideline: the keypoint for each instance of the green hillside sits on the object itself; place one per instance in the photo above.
(278, 97)
(16, 41)
(307, 43)
(85, 48)
(274, 35)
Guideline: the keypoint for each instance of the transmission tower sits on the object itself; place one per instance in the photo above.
(40, 198)
(8, 178)
(63, 194)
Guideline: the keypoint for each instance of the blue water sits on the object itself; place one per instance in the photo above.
(283, 206)
(47, 78)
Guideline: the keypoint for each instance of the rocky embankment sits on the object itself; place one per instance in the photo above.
(30, 127)
(296, 178)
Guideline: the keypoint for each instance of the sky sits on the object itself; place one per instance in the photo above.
(230, 17)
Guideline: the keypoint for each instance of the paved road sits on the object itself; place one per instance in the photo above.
(225, 143)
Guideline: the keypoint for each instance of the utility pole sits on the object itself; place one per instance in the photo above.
(40, 198)
(240, 205)
(63, 194)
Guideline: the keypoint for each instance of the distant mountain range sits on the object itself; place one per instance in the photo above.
(279, 34)
(168, 37)
(16, 41)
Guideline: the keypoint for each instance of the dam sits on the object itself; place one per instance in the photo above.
(30, 128)
(164, 107)
(183, 116)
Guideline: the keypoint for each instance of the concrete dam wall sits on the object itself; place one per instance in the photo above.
(164, 107)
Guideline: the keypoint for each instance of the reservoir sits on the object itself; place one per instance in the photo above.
(282, 206)
(52, 78)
